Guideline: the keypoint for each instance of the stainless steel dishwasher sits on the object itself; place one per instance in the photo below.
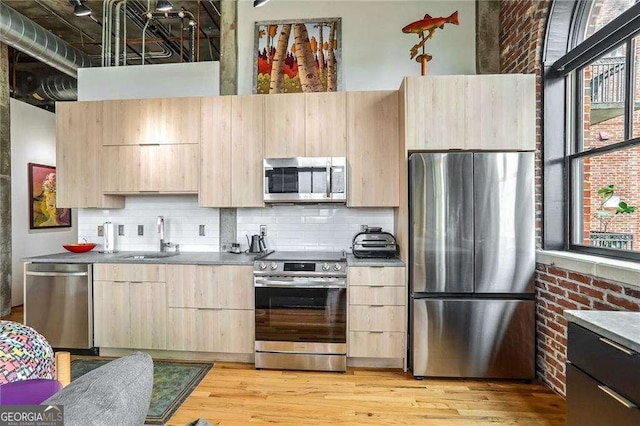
(58, 303)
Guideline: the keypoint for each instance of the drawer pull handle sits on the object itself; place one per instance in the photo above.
(376, 332)
(613, 394)
(377, 306)
(617, 346)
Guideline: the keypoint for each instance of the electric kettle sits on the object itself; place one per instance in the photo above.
(257, 244)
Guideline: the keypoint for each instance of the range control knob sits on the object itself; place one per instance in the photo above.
(274, 266)
(325, 267)
(262, 266)
(337, 267)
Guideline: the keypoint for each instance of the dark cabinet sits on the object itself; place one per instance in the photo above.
(602, 380)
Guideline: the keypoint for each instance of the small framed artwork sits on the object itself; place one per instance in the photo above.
(43, 212)
(297, 56)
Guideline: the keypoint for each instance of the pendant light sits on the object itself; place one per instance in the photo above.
(79, 9)
(163, 6)
(258, 3)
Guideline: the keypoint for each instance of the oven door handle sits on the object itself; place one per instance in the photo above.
(299, 284)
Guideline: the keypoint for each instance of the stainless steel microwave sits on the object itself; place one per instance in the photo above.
(305, 179)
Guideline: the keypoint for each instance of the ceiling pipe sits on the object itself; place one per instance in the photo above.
(20, 32)
(57, 88)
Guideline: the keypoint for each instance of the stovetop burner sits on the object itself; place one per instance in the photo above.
(301, 264)
(305, 256)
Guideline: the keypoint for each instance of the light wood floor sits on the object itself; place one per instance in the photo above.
(233, 394)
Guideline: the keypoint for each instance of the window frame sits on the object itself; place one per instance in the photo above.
(566, 74)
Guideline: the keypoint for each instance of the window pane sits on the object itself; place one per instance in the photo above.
(603, 110)
(603, 186)
(604, 11)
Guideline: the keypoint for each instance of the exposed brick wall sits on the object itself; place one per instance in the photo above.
(522, 26)
(522, 30)
(558, 289)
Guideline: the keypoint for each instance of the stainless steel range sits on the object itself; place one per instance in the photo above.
(301, 311)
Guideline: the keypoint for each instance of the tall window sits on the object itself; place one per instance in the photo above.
(604, 157)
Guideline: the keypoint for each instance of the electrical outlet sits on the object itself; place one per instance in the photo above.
(263, 230)
(121, 230)
(140, 230)
(100, 231)
(201, 231)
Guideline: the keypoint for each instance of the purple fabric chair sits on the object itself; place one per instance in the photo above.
(28, 392)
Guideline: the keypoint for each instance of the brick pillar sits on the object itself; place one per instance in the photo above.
(5, 184)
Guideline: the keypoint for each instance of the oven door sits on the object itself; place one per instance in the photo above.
(301, 310)
(305, 179)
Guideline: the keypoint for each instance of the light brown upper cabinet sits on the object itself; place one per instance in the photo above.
(305, 125)
(372, 147)
(247, 150)
(173, 169)
(473, 112)
(284, 125)
(152, 121)
(326, 124)
(215, 152)
(78, 157)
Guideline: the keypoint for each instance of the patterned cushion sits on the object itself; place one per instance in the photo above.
(24, 354)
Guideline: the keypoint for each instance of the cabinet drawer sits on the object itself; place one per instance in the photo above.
(376, 295)
(373, 276)
(591, 403)
(367, 344)
(608, 362)
(210, 330)
(376, 318)
(128, 272)
(206, 286)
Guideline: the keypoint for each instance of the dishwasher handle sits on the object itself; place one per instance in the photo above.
(57, 274)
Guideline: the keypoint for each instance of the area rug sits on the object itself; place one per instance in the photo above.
(173, 382)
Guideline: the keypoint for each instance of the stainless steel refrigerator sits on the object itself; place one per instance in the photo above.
(472, 262)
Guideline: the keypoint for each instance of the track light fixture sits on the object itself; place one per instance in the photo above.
(258, 3)
(163, 6)
(79, 9)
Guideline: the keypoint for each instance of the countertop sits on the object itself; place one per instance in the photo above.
(621, 327)
(184, 258)
(354, 261)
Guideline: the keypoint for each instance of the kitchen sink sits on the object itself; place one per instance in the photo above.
(149, 256)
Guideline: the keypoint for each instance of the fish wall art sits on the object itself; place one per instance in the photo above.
(297, 56)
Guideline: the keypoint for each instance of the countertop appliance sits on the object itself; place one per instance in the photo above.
(58, 303)
(301, 311)
(374, 243)
(256, 244)
(305, 179)
(471, 264)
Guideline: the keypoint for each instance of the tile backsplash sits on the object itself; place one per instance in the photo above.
(318, 227)
(290, 227)
(182, 220)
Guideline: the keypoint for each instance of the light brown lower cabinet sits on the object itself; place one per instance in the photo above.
(377, 312)
(130, 314)
(210, 330)
(210, 308)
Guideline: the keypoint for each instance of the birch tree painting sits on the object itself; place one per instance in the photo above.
(297, 56)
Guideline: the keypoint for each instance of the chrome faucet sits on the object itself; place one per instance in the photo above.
(161, 232)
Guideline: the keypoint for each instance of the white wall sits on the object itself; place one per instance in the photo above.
(182, 217)
(319, 227)
(33, 140)
(149, 81)
(375, 51)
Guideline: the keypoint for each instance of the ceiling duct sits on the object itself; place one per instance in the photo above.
(20, 32)
(57, 88)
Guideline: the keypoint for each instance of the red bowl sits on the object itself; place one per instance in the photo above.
(80, 247)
